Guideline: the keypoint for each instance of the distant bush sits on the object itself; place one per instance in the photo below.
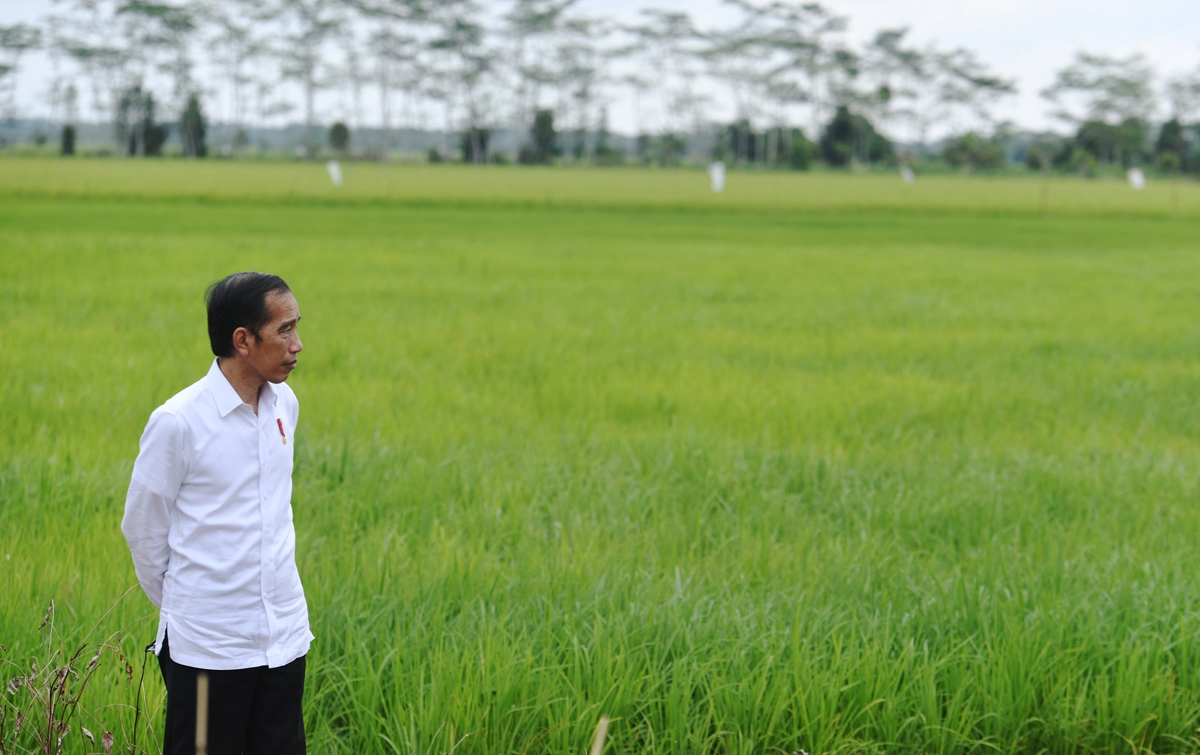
(68, 141)
(578, 144)
(641, 148)
(192, 128)
(666, 150)
(339, 137)
(607, 155)
(1038, 157)
(545, 145)
(474, 145)
(786, 147)
(669, 149)
(1082, 161)
(973, 152)
(1171, 148)
(1123, 145)
(850, 138)
(137, 133)
(604, 153)
(800, 151)
(737, 143)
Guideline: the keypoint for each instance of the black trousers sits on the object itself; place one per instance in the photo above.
(252, 711)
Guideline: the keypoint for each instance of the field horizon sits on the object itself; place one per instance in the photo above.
(819, 464)
(622, 189)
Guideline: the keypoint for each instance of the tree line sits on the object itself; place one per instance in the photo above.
(800, 89)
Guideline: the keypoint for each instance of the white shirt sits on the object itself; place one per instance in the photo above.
(208, 520)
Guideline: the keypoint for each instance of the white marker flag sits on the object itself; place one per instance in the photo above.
(716, 174)
(906, 174)
(335, 172)
(1137, 179)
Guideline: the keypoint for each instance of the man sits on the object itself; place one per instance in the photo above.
(208, 520)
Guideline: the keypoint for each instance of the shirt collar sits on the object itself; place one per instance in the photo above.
(227, 398)
(268, 395)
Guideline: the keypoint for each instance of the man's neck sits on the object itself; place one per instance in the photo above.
(244, 381)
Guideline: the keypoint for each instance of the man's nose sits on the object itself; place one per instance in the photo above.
(297, 344)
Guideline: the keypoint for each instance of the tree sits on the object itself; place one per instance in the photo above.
(734, 56)
(136, 129)
(781, 61)
(580, 73)
(191, 129)
(395, 47)
(1121, 144)
(604, 153)
(120, 44)
(669, 149)
(545, 138)
(68, 140)
(157, 36)
(234, 46)
(1183, 92)
(339, 137)
(789, 146)
(851, 138)
(475, 139)
(15, 41)
(782, 55)
(463, 62)
(828, 67)
(350, 72)
(307, 26)
(897, 75)
(966, 87)
(63, 97)
(670, 44)
(395, 54)
(83, 33)
(1100, 88)
(815, 69)
(531, 25)
(740, 138)
(973, 152)
(800, 151)
(1171, 145)
(104, 67)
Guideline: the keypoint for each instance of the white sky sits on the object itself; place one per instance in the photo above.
(1028, 40)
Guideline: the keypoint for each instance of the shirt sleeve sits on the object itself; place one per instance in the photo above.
(157, 476)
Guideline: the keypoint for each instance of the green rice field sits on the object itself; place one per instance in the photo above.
(824, 463)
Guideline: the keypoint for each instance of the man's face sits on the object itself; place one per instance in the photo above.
(273, 354)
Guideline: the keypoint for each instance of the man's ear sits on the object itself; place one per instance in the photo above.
(241, 341)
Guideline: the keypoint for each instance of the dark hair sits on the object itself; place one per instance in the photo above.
(238, 301)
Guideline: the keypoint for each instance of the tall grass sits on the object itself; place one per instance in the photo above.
(746, 482)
